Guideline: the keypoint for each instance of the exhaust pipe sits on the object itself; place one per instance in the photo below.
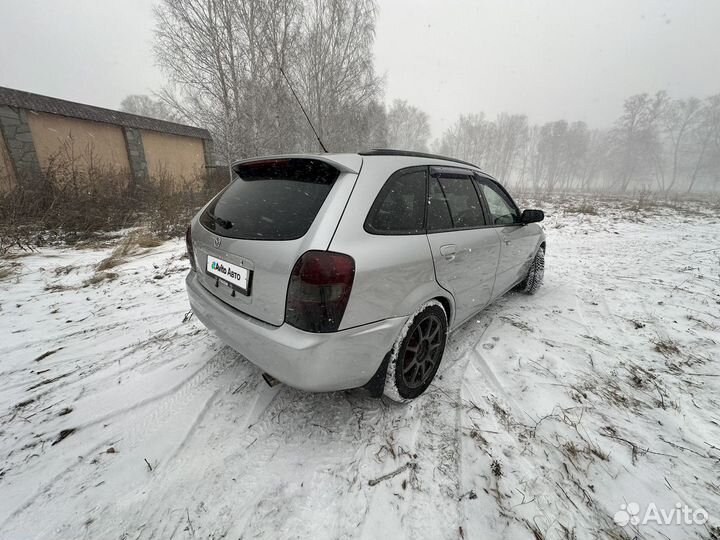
(270, 380)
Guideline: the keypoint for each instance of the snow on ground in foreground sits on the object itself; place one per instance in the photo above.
(549, 412)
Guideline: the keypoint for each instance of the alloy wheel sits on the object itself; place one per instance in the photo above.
(422, 352)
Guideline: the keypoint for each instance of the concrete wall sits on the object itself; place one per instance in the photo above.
(183, 158)
(7, 173)
(32, 140)
(60, 135)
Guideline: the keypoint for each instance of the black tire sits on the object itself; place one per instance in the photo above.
(417, 353)
(536, 273)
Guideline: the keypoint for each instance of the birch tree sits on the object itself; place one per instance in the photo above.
(336, 69)
(680, 118)
(635, 140)
(146, 106)
(408, 127)
(230, 64)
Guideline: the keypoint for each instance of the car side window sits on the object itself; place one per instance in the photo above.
(400, 205)
(453, 203)
(502, 212)
(438, 210)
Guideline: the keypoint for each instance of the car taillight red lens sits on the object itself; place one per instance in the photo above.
(189, 246)
(319, 291)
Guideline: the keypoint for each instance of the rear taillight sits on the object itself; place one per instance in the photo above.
(189, 247)
(319, 291)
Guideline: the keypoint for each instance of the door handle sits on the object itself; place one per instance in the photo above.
(448, 251)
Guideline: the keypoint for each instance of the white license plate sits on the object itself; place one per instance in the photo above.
(232, 274)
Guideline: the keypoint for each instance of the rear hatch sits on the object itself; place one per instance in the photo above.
(250, 236)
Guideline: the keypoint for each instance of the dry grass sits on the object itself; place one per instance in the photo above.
(667, 347)
(99, 277)
(13, 255)
(146, 240)
(589, 450)
(643, 202)
(71, 202)
(6, 272)
(132, 244)
(56, 287)
(110, 262)
(65, 270)
(613, 391)
(116, 258)
(582, 208)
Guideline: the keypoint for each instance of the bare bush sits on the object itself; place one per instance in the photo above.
(584, 207)
(75, 197)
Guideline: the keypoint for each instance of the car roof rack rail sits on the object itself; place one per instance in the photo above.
(409, 153)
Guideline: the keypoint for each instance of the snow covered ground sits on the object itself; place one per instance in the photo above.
(121, 418)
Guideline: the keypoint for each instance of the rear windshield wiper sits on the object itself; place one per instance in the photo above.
(225, 224)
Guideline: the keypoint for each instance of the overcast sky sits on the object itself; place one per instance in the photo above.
(551, 59)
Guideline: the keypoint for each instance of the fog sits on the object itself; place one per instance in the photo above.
(549, 94)
(548, 59)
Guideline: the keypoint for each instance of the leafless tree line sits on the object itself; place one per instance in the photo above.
(229, 62)
(144, 105)
(657, 144)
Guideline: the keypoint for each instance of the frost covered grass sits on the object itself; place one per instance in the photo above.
(121, 417)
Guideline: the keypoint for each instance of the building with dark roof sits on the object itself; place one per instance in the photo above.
(37, 129)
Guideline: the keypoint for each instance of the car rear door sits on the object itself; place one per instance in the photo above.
(465, 249)
(383, 228)
(517, 241)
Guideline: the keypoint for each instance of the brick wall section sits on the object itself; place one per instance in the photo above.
(19, 141)
(209, 151)
(136, 154)
(7, 171)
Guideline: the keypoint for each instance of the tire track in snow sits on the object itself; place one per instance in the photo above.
(90, 331)
(316, 453)
(203, 375)
(319, 430)
(246, 457)
(263, 401)
(173, 402)
(429, 430)
(56, 478)
(490, 509)
(94, 373)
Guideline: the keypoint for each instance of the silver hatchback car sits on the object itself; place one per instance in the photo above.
(337, 271)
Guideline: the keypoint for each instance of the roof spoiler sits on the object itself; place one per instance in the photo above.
(340, 166)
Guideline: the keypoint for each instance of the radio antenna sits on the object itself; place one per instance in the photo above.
(303, 109)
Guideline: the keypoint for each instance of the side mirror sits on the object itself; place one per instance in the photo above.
(532, 216)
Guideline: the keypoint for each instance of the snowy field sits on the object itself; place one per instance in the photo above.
(123, 418)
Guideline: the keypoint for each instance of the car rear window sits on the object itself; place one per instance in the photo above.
(400, 205)
(271, 200)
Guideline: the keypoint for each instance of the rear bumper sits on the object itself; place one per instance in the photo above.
(313, 362)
